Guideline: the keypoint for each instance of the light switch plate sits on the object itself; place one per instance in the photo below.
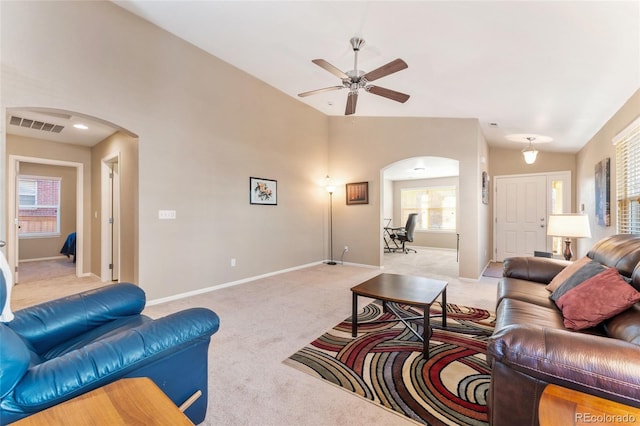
(166, 214)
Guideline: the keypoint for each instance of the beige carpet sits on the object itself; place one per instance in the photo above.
(49, 279)
(265, 321)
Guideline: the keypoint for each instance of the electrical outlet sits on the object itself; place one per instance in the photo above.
(233, 262)
(346, 249)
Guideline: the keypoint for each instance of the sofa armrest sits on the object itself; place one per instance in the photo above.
(538, 269)
(46, 325)
(105, 361)
(593, 364)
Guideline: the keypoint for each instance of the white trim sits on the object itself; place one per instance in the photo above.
(62, 256)
(106, 274)
(12, 234)
(624, 134)
(225, 285)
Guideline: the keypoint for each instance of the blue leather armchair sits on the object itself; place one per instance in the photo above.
(58, 350)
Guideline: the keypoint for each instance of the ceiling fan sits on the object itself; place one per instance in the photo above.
(356, 79)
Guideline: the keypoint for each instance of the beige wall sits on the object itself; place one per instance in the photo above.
(126, 148)
(204, 128)
(44, 247)
(46, 150)
(511, 162)
(598, 148)
(361, 147)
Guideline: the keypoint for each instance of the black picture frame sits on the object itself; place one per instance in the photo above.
(357, 193)
(263, 191)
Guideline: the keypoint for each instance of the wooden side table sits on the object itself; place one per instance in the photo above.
(562, 406)
(133, 401)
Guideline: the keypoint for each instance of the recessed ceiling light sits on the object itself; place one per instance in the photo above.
(80, 126)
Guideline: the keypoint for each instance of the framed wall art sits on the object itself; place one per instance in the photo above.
(263, 191)
(485, 188)
(603, 190)
(358, 193)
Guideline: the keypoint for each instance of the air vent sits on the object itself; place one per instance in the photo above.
(35, 124)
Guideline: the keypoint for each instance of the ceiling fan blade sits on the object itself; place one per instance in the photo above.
(352, 100)
(390, 68)
(333, 70)
(388, 93)
(326, 89)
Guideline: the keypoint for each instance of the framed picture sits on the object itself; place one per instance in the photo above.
(358, 193)
(485, 188)
(603, 189)
(263, 191)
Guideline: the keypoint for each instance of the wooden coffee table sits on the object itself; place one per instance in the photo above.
(404, 289)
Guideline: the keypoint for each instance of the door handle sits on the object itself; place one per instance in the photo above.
(3, 243)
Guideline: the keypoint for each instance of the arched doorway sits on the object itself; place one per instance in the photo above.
(66, 138)
(428, 186)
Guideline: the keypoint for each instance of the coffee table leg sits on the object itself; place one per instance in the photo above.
(354, 315)
(426, 332)
(444, 308)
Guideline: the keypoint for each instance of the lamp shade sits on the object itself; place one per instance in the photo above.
(569, 226)
(530, 154)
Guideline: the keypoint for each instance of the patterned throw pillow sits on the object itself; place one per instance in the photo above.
(566, 273)
(597, 299)
(589, 270)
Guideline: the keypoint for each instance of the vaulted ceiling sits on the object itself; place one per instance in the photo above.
(558, 69)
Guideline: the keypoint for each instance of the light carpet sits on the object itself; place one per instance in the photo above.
(384, 363)
(266, 320)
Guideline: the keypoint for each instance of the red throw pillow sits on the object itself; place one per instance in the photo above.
(596, 299)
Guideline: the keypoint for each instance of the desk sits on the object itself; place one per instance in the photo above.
(134, 401)
(408, 290)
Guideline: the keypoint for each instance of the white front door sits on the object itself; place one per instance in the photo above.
(521, 215)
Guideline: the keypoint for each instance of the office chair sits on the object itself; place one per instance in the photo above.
(405, 234)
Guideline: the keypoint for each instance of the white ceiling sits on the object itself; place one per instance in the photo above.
(559, 69)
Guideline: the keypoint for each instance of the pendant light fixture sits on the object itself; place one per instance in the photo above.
(530, 153)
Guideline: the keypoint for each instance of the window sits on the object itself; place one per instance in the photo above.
(38, 206)
(436, 207)
(628, 179)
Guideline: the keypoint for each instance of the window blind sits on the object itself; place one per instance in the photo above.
(628, 179)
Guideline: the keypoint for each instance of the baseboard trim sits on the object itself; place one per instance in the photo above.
(226, 285)
(41, 259)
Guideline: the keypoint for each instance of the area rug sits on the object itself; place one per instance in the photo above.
(384, 363)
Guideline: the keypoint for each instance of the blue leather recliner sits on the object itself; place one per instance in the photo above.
(58, 350)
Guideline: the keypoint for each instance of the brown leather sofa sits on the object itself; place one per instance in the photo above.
(531, 347)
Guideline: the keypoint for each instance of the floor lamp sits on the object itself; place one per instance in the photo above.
(330, 188)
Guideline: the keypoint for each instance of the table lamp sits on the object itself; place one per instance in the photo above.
(569, 226)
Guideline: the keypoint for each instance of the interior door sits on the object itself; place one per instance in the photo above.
(16, 222)
(114, 220)
(521, 215)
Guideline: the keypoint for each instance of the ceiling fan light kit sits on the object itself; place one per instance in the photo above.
(355, 79)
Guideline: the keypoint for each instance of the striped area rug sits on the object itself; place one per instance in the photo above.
(384, 363)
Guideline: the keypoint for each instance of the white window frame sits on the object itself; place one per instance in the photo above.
(36, 206)
(403, 217)
(627, 145)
